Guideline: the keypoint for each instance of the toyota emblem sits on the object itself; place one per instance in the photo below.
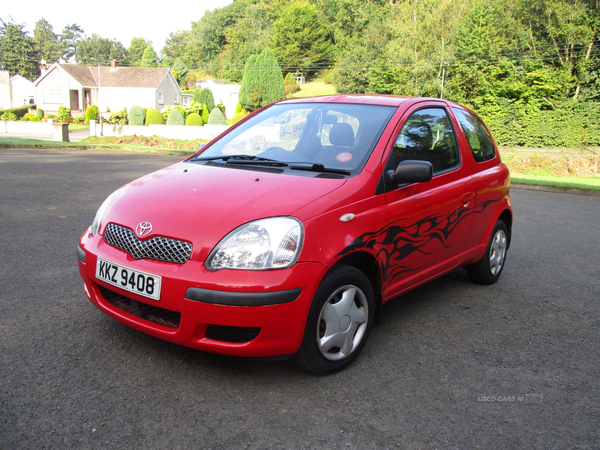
(143, 229)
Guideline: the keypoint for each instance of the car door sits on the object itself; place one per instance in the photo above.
(429, 222)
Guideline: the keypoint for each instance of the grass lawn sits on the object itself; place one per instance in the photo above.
(315, 88)
(10, 142)
(589, 183)
(77, 126)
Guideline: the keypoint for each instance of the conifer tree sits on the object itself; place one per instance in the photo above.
(17, 54)
(262, 82)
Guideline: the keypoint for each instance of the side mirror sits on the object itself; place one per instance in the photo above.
(411, 172)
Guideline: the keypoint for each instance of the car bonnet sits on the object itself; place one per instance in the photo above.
(202, 203)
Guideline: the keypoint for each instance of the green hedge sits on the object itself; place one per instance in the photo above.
(19, 112)
(569, 124)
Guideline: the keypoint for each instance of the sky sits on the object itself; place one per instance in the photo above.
(112, 19)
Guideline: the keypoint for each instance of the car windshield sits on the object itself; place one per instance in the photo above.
(305, 136)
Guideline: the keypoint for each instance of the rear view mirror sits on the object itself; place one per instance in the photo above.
(411, 171)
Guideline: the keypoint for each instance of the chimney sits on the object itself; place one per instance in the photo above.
(113, 64)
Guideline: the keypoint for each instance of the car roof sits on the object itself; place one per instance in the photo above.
(369, 99)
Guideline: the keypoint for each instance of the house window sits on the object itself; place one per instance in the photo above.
(53, 96)
(176, 99)
(160, 98)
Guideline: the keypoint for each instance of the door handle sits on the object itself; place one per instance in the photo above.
(466, 198)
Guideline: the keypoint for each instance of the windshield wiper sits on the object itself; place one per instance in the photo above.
(244, 159)
(320, 168)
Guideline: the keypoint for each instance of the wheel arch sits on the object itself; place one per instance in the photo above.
(368, 265)
(507, 218)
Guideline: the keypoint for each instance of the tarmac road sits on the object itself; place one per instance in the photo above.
(452, 365)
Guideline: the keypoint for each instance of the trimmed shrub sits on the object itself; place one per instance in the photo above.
(166, 111)
(92, 113)
(205, 113)
(39, 114)
(136, 116)
(30, 117)
(289, 79)
(154, 117)
(205, 96)
(216, 117)
(64, 115)
(79, 119)
(8, 115)
(176, 117)
(238, 116)
(194, 119)
(193, 107)
(221, 106)
(238, 108)
(119, 117)
(291, 88)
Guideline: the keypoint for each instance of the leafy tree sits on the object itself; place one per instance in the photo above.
(149, 57)
(180, 70)
(383, 79)
(301, 40)
(46, 42)
(208, 35)
(69, 38)
(98, 50)
(17, 54)
(248, 36)
(136, 50)
(177, 47)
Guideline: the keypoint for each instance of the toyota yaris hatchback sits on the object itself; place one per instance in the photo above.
(286, 234)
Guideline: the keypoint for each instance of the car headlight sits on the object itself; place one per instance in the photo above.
(102, 210)
(273, 243)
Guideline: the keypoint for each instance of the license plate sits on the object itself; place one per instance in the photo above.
(131, 280)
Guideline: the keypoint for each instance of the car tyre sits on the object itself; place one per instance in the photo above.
(489, 267)
(339, 321)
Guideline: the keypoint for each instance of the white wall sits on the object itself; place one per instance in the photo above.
(184, 132)
(226, 93)
(21, 90)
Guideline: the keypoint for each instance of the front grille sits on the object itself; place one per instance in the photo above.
(151, 313)
(231, 334)
(158, 248)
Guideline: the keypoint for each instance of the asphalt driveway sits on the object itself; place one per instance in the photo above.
(452, 365)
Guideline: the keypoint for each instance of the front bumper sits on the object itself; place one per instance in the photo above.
(231, 312)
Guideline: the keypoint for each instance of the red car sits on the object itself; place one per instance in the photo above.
(285, 235)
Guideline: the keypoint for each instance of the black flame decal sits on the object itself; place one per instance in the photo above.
(405, 240)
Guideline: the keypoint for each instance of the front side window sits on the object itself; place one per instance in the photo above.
(427, 135)
(480, 141)
(335, 135)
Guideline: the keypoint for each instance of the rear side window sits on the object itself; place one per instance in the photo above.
(480, 141)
